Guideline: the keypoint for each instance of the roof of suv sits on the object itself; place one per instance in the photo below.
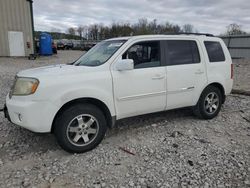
(181, 35)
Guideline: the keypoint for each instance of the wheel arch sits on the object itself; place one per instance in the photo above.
(101, 105)
(220, 87)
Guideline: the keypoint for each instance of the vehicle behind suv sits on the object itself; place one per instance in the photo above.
(69, 46)
(119, 78)
(65, 45)
(60, 45)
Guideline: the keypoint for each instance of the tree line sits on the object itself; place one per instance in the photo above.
(142, 27)
(58, 35)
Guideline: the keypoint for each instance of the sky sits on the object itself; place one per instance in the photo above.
(209, 16)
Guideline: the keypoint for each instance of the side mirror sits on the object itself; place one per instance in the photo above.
(124, 64)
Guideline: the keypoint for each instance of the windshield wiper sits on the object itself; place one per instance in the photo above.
(72, 63)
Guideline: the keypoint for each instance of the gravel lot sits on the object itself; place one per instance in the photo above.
(168, 149)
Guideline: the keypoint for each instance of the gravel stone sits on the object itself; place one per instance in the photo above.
(131, 183)
(247, 182)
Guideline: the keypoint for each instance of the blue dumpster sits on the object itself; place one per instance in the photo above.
(45, 46)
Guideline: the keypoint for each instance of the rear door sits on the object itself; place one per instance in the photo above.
(186, 75)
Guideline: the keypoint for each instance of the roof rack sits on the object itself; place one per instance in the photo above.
(182, 33)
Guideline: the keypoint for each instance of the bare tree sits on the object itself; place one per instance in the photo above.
(80, 30)
(72, 31)
(117, 29)
(141, 28)
(94, 32)
(234, 29)
(188, 28)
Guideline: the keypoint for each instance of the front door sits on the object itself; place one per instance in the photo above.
(143, 89)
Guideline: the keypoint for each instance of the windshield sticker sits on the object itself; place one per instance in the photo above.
(115, 44)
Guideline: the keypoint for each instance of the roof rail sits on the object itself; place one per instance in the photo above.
(183, 33)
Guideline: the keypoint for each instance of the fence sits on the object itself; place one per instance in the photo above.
(238, 45)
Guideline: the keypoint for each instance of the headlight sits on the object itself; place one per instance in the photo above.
(24, 86)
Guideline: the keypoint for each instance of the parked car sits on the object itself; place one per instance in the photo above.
(69, 46)
(87, 47)
(120, 78)
(60, 45)
(65, 45)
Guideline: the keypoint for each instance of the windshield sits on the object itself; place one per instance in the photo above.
(100, 53)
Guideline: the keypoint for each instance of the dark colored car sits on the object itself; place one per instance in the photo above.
(60, 46)
(69, 46)
(65, 46)
(87, 47)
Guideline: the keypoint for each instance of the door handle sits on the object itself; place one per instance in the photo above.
(199, 72)
(158, 77)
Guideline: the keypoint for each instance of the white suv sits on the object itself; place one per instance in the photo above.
(119, 78)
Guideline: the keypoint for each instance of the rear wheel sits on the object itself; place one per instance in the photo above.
(209, 104)
(80, 128)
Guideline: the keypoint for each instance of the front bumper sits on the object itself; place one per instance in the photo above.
(36, 116)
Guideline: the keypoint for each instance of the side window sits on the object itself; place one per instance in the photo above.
(183, 52)
(214, 51)
(144, 54)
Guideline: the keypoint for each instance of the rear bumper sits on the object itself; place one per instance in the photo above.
(36, 116)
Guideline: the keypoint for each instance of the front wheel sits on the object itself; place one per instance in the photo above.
(209, 104)
(80, 128)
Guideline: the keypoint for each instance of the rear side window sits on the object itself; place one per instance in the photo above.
(214, 51)
(183, 52)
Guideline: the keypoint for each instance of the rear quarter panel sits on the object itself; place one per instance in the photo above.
(219, 72)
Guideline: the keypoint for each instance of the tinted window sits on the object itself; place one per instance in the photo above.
(144, 54)
(214, 51)
(183, 52)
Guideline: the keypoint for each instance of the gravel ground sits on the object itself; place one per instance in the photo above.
(167, 149)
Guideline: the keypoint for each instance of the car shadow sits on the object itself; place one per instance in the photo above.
(21, 141)
(156, 118)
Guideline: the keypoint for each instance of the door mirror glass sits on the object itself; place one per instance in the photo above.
(124, 64)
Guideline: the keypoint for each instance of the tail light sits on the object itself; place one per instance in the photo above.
(232, 71)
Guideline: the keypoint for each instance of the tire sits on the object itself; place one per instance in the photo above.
(80, 128)
(207, 107)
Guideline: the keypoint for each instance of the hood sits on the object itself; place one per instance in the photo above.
(55, 70)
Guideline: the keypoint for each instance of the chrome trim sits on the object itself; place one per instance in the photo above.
(185, 89)
(131, 97)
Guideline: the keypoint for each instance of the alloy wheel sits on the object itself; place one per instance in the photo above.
(82, 130)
